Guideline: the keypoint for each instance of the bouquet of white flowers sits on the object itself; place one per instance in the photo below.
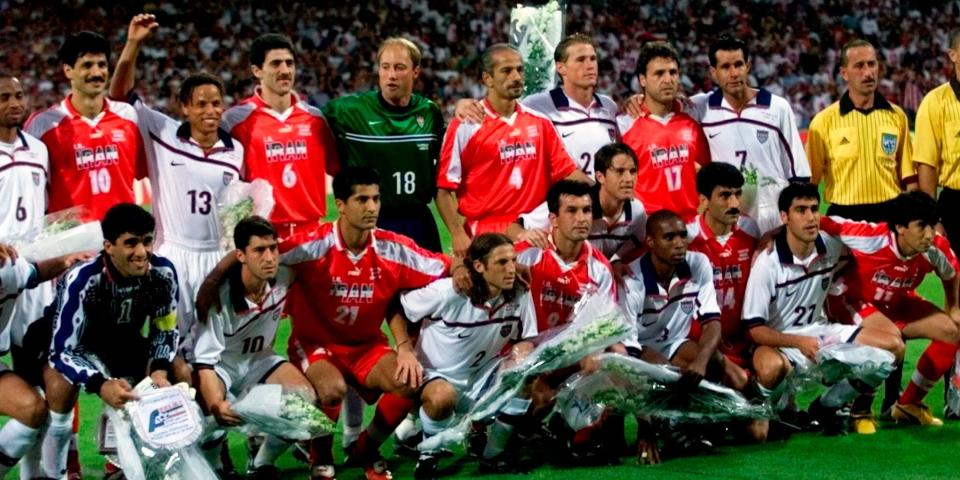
(536, 31)
(64, 232)
(240, 200)
(285, 414)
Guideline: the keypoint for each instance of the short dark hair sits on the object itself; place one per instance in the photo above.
(251, 226)
(727, 43)
(560, 53)
(266, 42)
(126, 218)
(79, 44)
(6, 74)
(955, 38)
(566, 187)
(661, 216)
(856, 42)
(349, 177)
(185, 93)
(604, 157)
(794, 191)
(717, 174)
(651, 50)
(911, 206)
(480, 249)
(486, 58)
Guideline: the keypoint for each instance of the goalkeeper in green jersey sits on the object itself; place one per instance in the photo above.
(398, 133)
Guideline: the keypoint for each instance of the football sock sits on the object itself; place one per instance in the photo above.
(842, 392)
(15, 439)
(271, 450)
(407, 428)
(56, 444)
(432, 427)
(935, 361)
(510, 415)
(391, 410)
(352, 417)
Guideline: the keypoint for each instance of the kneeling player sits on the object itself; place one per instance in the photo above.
(476, 328)
(102, 307)
(234, 348)
(784, 307)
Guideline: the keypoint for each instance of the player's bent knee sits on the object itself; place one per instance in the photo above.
(769, 366)
(61, 395)
(439, 402)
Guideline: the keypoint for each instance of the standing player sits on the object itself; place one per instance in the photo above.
(890, 260)
(783, 308)
(496, 170)
(102, 307)
(860, 145)
(189, 163)
(399, 133)
(752, 129)
(285, 141)
(669, 144)
(477, 327)
(585, 119)
(233, 349)
(96, 151)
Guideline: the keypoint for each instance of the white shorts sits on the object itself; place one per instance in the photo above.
(828, 333)
(470, 387)
(192, 266)
(29, 309)
(238, 378)
(669, 347)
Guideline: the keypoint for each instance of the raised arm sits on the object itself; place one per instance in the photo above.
(125, 74)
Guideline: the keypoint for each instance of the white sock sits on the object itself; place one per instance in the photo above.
(839, 394)
(30, 462)
(500, 433)
(15, 439)
(432, 427)
(270, 451)
(352, 414)
(56, 444)
(407, 428)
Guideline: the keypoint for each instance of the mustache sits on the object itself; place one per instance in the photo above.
(733, 211)
(96, 79)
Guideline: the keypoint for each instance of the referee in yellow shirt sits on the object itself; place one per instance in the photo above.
(937, 154)
(860, 145)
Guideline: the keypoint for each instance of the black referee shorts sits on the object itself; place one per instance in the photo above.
(867, 212)
(416, 222)
(949, 209)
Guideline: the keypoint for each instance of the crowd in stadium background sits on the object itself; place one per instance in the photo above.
(794, 45)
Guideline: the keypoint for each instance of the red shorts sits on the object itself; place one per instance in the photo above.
(497, 224)
(853, 311)
(736, 350)
(354, 361)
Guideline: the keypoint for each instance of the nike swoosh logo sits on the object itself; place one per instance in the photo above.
(460, 335)
(790, 294)
(175, 164)
(565, 135)
(714, 135)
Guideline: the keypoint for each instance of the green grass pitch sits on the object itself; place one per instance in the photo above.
(895, 452)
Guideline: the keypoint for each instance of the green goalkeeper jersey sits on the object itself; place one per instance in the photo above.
(401, 143)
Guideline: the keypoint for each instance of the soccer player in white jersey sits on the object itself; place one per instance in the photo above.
(189, 163)
(233, 349)
(752, 129)
(461, 340)
(585, 119)
(783, 307)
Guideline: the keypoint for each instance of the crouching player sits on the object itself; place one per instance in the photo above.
(784, 308)
(460, 345)
(102, 307)
(234, 348)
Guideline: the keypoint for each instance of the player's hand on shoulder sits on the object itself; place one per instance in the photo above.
(141, 26)
(208, 298)
(7, 252)
(633, 106)
(461, 242)
(461, 279)
(620, 271)
(409, 371)
(223, 412)
(116, 392)
(469, 110)
(535, 236)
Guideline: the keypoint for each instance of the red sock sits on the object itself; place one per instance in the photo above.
(391, 410)
(332, 412)
(933, 364)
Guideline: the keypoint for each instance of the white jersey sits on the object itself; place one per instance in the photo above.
(186, 180)
(664, 316)
(583, 129)
(14, 278)
(762, 141)
(460, 338)
(613, 237)
(24, 167)
(786, 293)
(242, 331)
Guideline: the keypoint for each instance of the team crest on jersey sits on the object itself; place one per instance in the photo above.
(825, 283)
(227, 178)
(303, 130)
(762, 136)
(532, 131)
(506, 329)
(118, 136)
(687, 305)
(36, 178)
(421, 121)
(888, 142)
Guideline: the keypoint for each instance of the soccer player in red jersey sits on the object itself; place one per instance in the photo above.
(285, 141)
(496, 170)
(358, 269)
(890, 261)
(669, 143)
(95, 148)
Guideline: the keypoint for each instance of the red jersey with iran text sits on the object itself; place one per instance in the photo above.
(293, 150)
(730, 257)
(341, 298)
(880, 274)
(668, 151)
(556, 286)
(502, 167)
(93, 162)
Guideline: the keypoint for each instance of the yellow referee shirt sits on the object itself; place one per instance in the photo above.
(864, 156)
(938, 133)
